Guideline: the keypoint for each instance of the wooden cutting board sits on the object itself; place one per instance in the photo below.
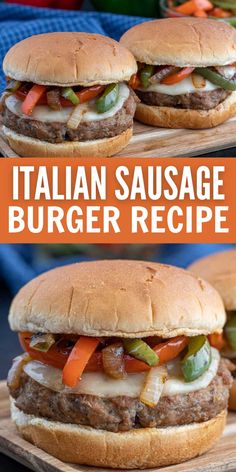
(160, 142)
(221, 458)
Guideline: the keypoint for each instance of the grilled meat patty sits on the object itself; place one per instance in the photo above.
(59, 132)
(194, 101)
(122, 413)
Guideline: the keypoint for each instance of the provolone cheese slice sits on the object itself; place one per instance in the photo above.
(181, 88)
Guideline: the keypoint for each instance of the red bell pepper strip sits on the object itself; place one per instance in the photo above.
(217, 340)
(171, 349)
(177, 76)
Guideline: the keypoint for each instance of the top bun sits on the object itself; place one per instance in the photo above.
(69, 59)
(220, 270)
(118, 298)
(182, 42)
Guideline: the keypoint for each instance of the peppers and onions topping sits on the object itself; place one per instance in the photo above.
(203, 8)
(148, 75)
(116, 358)
(99, 98)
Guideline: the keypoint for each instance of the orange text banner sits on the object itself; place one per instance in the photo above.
(118, 200)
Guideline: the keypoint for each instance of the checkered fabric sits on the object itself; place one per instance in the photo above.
(19, 22)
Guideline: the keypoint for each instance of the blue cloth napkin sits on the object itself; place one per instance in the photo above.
(18, 22)
(20, 263)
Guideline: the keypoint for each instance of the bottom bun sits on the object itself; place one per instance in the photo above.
(232, 398)
(141, 448)
(29, 147)
(170, 117)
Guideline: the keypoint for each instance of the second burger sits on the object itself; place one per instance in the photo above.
(187, 72)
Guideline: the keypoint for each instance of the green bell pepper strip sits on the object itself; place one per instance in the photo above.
(13, 86)
(230, 332)
(141, 351)
(197, 360)
(225, 5)
(145, 74)
(108, 99)
(69, 94)
(216, 78)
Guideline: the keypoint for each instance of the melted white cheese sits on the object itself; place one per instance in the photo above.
(101, 385)
(46, 115)
(185, 86)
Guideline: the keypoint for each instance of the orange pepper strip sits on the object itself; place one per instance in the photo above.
(90, 93)
(78, 359)
(187, 8)
(170, 349)
(32, 98)
(134, 82)
(178, 76)
(220, 13)
(217, 340)
(190, 7)
(200, 14)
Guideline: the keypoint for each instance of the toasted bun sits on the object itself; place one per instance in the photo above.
(220, 270)
(68, 59)
(186, 42)
(30, 147)
(118, 298)
(140, 448)
(170, 117)
(232, 398)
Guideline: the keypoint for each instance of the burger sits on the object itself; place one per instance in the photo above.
(187, 72)
(67, 96)
(118, 369)
(220, 270)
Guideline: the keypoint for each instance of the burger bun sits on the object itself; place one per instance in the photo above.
(135, 449)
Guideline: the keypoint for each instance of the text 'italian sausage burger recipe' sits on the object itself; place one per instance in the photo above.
(187, 72)
(118, 369)
(67, 96)
(220, 270)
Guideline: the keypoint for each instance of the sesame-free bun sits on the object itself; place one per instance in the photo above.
(220, 270)
(69, 59)
(170, 117)
(183, 42)
(135, 449)
(118, 298)
(25, 146)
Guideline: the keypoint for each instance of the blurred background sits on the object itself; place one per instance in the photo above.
(128, 7)
(20, 263)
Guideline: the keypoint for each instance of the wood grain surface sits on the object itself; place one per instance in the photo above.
(222, 458)
(161, 142)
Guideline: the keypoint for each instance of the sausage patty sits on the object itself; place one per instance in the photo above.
(194, 101)
(123, 413)
(86, 131)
